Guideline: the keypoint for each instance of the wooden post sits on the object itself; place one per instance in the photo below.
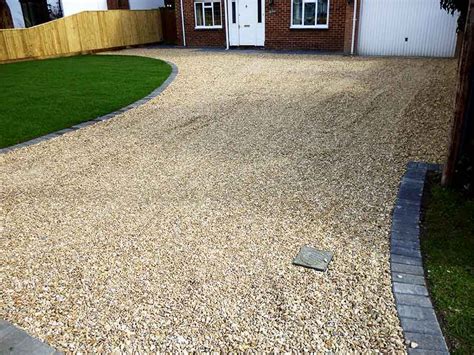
(458, 168)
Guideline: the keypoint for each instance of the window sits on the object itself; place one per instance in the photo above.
(208, 13)
(309, 13)
(234, 13)
(259, 11)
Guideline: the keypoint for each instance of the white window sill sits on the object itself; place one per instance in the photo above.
(301, 27)
(207, 27)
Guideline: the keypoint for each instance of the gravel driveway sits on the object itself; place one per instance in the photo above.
(173, 226)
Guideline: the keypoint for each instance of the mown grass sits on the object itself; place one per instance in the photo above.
(39, 97)
(448, 248)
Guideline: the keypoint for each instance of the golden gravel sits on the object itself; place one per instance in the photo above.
(172, 227)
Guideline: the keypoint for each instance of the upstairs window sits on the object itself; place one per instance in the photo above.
(208, 13)
(309, 13)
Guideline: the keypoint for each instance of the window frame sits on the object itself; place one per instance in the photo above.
(310, 27)
(204, 27)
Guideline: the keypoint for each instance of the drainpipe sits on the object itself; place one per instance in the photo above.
(354, 21)
(226, 26)
(182, 23)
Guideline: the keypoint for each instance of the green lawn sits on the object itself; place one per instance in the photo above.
(448, 248)
(39, 97)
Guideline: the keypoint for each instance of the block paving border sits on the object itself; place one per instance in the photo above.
(152, 95)
(420, 326)
(16, 341)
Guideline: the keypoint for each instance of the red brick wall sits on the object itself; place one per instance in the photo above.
(201, 37)
(349, 25)
(278, 34)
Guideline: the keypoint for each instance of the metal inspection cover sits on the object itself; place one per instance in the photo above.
(313, 258)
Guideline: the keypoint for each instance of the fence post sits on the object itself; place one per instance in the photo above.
(458, 170)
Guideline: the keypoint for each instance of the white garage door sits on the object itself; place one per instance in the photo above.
(406, 28)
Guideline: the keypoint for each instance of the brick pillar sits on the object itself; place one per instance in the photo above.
(349, 25)
(118, 4)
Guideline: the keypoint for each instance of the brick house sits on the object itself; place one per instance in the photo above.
(276, 24)
(380, 27)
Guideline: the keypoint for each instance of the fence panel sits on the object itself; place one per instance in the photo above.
(82, 32)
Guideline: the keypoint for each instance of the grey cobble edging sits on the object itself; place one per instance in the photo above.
(16, 341)
(420, 326)
(153, 94)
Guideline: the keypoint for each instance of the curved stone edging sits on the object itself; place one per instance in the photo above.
(420, 326)
(14, 340)
(152, 95)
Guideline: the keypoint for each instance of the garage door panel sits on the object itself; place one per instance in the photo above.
(406, 28)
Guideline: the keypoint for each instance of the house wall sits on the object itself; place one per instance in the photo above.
(201, 37)
(17, 14)
(146, 4)
(71, 7)
(74, 6)
(278, 34)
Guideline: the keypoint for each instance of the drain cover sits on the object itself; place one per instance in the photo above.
(313, 258)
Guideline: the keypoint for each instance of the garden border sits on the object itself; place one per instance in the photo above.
(16, 341)
(152, 95)
(418, 320)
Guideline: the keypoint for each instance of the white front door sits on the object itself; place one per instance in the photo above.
(246, 22)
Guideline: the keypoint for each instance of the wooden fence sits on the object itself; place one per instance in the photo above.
(83, 32)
